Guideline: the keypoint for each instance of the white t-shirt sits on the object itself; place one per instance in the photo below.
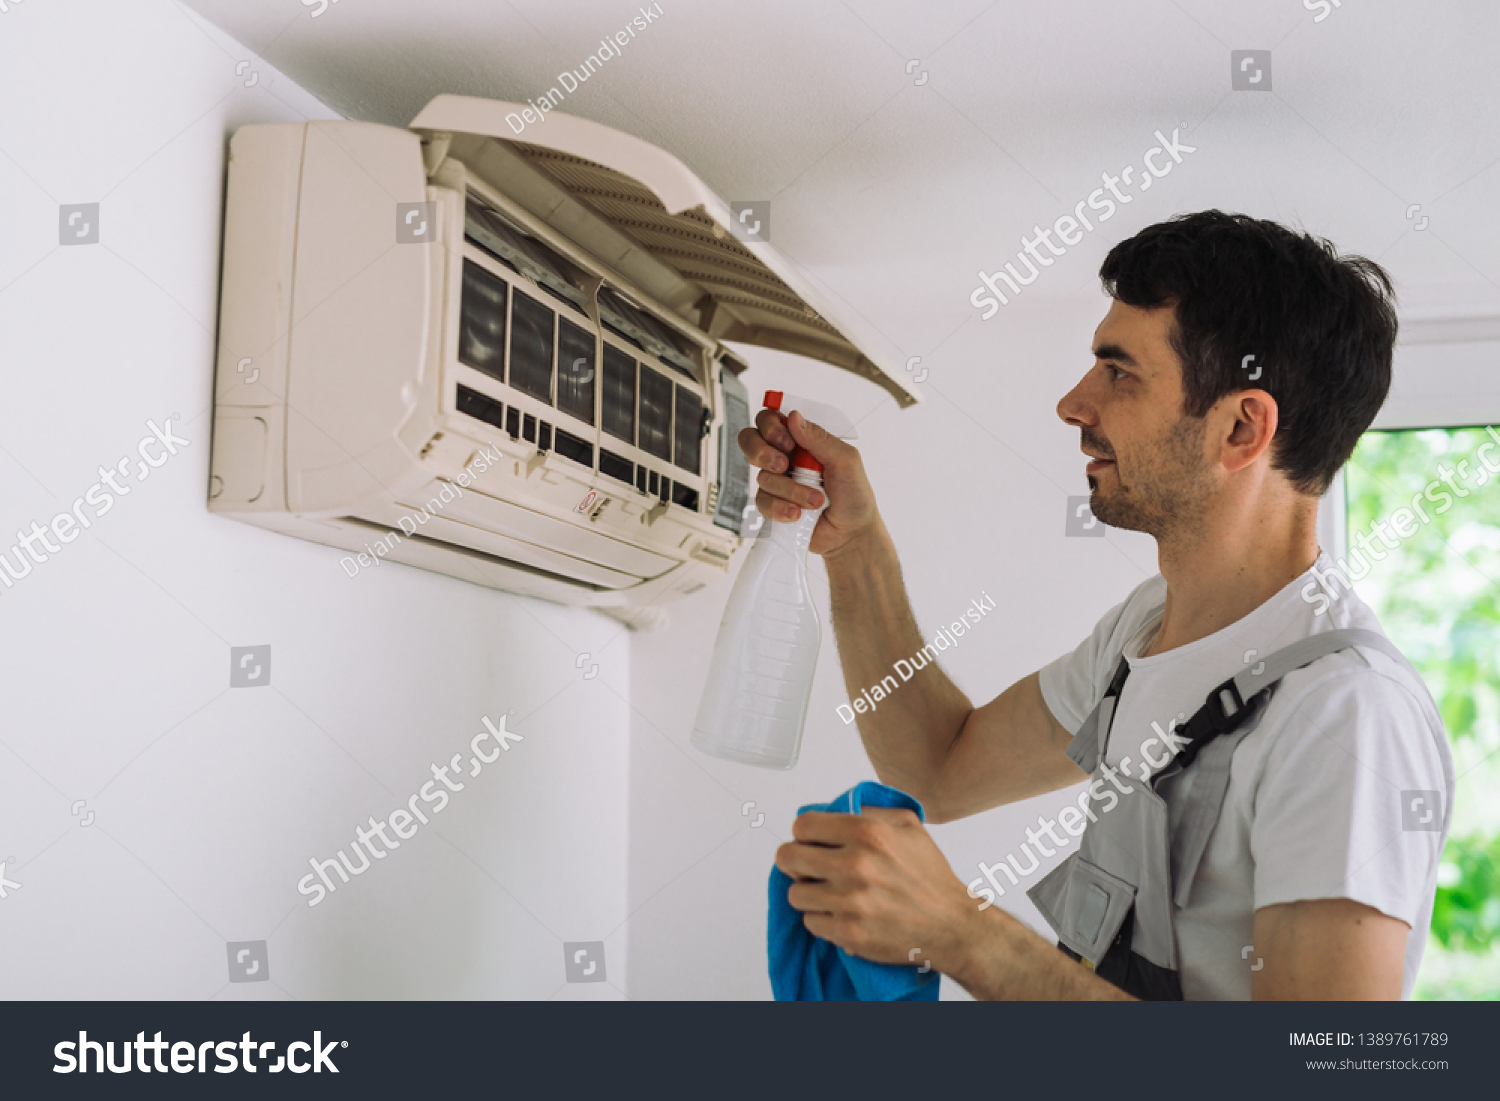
(1314, 806)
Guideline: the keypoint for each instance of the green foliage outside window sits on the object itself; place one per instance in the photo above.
(1437, 594)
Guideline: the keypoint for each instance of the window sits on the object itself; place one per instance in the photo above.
(1436, 596)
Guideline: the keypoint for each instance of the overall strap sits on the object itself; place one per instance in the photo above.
(1195, 809)
(1138, 864)
(1087, 746)
(1219, 715)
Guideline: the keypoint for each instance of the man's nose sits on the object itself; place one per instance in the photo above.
(1074, 410)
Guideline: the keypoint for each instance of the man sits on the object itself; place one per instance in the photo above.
(1237, 367)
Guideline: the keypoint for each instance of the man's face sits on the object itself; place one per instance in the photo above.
(1155, 475)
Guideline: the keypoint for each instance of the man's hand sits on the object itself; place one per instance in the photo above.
(876, 885)
(851, 502)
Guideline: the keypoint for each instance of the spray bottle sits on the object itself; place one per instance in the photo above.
(759, 681)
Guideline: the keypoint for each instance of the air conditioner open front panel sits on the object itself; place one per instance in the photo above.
(644, 212)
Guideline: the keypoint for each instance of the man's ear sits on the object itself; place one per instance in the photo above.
(1253, 428)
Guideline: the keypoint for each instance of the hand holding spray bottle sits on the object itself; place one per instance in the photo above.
(759, 681)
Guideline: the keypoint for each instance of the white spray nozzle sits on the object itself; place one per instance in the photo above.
(832, 420)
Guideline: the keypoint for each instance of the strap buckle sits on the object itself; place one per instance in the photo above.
(1221, 719)
(1211, 720)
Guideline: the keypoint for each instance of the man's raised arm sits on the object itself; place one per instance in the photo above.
(926, 738)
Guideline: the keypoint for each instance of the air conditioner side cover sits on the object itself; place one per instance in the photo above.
(362, 307)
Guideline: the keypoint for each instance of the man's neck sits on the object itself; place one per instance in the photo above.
(1225, 569)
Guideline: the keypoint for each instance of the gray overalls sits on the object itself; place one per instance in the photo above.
(1111, 903)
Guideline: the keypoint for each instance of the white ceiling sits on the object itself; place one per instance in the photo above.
(893, 195)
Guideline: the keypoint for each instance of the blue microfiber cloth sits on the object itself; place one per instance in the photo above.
(805, 968)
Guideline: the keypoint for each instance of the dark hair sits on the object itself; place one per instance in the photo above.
(1321, 327)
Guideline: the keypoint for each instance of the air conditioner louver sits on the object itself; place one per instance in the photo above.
(396, 538)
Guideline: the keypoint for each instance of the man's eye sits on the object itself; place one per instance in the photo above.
(1119, 374)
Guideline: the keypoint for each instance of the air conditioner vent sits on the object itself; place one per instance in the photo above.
(469, 552)
(482, 407)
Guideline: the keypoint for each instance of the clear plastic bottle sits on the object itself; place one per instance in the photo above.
(760, 679)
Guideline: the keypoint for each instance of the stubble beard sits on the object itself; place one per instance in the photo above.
(1169, 491)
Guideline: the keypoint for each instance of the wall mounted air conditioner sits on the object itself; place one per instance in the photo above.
(401, 308)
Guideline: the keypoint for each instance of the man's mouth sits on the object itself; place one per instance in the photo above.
(1096, 465)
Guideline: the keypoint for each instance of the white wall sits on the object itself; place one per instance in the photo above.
(207, 801)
